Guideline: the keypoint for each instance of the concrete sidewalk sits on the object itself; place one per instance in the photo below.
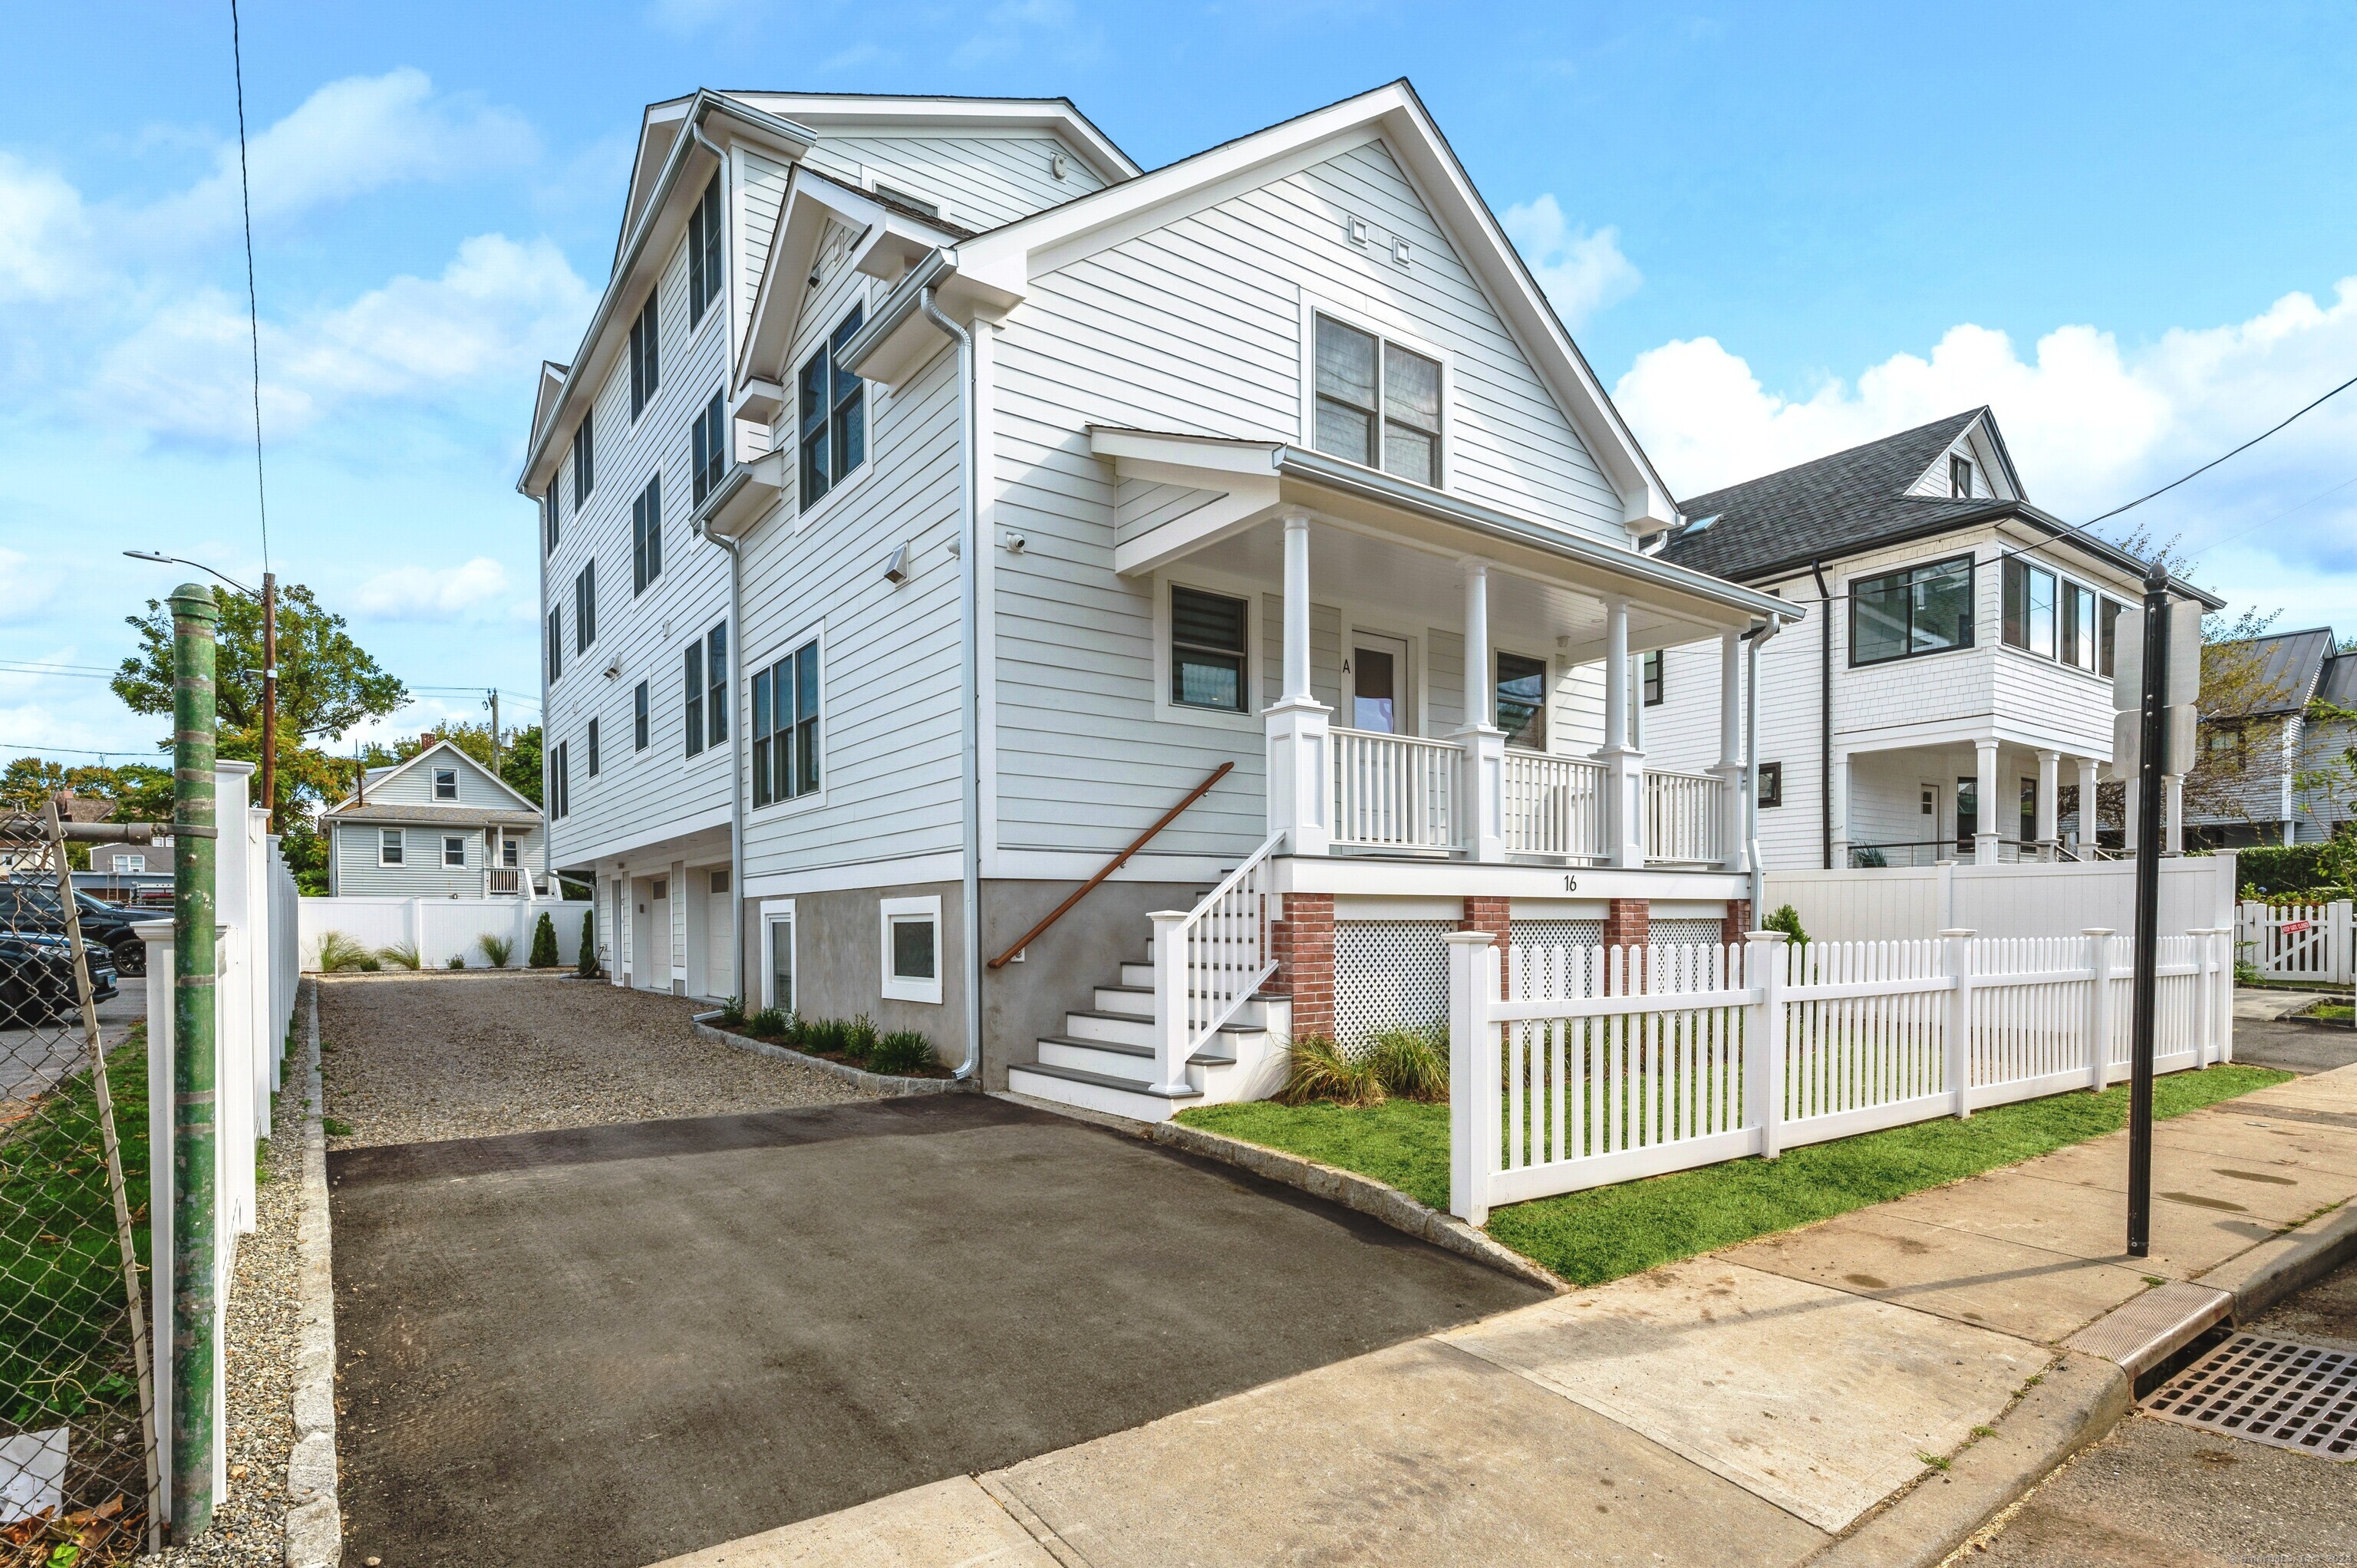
(1867, 1390)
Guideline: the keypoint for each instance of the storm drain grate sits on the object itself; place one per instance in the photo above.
(2269, 1391)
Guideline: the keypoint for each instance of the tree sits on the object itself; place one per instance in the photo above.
(543, 942)
(520, 763)
(28, 782)
(587, 962)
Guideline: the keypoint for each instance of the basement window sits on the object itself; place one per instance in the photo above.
(912, 949)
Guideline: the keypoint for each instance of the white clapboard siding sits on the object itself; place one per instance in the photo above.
(983, 179)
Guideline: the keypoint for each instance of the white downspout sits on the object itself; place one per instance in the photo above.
(1751, 642)
(969, 649)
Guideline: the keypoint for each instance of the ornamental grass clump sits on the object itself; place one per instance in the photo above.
(732, 1012)
(400, 955)
(1412, 1064)
(826, 1036)
(496, 950)
(1321, 1069)
(859, 1038)
(341, 954)
(901, 1051)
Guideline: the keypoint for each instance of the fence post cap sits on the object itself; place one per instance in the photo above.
(1469, 939)
(2099, 931)
(1960, 931)
(1766, 936)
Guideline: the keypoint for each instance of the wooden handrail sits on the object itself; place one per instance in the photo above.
(1085, 888)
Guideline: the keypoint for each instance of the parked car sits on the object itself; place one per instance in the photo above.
(37, 979)
(27, 906)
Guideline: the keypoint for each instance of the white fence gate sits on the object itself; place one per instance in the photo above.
(1592, 1064)
(2304, 943)
(443, 928)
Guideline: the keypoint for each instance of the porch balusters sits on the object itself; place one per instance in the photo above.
(1300, 789)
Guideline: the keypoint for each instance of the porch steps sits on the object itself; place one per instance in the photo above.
(1105, 1059)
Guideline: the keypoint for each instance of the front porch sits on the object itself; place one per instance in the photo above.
(1923, 804)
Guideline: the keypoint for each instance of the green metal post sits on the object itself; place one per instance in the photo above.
(195, 1307)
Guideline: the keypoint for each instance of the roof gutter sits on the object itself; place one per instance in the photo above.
(1334, 474)
(912, 296)
(673, 166)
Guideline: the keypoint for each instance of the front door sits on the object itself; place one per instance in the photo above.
(1378, 678)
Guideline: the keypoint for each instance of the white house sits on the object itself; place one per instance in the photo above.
(1955, 688)
(440, 825)
(2263, 752)
(937, 501)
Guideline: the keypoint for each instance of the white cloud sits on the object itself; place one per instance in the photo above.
(188, 369)
(33, 587)
(2089, 425)
(1582, 272)
(44, 233)
(348, 139)
(1035, 28)
(425, 593)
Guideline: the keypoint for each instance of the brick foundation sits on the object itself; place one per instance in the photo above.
(1303, 945)
(1627, 922)
(1737, 920)
(1495, 916)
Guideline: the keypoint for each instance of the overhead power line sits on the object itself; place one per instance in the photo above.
(252, 297)
(2213, 462)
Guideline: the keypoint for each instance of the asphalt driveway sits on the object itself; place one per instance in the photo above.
(606, 1345)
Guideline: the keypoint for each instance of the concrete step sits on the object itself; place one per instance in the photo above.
(1134, 1097)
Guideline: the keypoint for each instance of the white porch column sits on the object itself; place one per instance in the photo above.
(1986, 804)
(2049, 781)
(2172, 819)
(1730, 750)
(1300, 795)
(1838, 786)
(2087, 817)
(1624, 764)
(1484, 788)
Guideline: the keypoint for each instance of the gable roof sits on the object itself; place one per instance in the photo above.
(2292, 669)
(993, 271)
(1855, 501)
(2338, 683)
(378, 778)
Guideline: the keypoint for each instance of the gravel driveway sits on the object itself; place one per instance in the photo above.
(432, 1056)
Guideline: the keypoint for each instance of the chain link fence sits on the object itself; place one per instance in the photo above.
(77, 1454)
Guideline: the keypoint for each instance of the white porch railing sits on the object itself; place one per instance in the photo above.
(506, 879)
(1592, 1064)
(1682, 817)
(2307, 943)
(1395, 791)
(1555, 806)
(1209, 960)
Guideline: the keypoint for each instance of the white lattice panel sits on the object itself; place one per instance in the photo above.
(1389, 974)
(1557, 934)
(1683, 933)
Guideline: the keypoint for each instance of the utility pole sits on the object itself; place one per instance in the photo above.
(270, 696)
(495, 729)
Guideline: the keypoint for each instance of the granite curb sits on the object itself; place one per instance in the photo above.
(873, 1083)
(314, 1532)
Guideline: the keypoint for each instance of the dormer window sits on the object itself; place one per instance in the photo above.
(1960, 478)
(446, 783)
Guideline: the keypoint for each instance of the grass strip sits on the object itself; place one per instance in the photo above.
(1606, 1232)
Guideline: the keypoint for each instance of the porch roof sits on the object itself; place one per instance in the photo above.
(1246, 482)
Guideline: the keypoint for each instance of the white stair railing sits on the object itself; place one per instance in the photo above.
(1208, 963)
(1394, 791)
(1555, 805)
(1682, 817)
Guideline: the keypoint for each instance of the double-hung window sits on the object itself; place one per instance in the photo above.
(585, 608)
(1923, 609)
(555, 643)
(705, 231)
(2029, 607)
(708, 449)
(446, 783)
(585, 459)
(453, 851)
(389, 847)
(590, 737)
(1652, 679)
(692, 682)
(646, 361)
(785, 727)
(1522, 694)
(833, 415)
(1378, 404)
(639, 717)
(646, 536)
(1208, 667)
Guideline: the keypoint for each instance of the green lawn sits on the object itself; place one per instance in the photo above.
(1606, 1232)
(65, 1342)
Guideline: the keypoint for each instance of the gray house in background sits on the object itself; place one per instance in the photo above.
(440, 825)
(2267, 748)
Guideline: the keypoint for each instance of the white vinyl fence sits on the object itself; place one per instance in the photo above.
(443, 928)
(2307, 944)
(1592, 1064)
(256, 976)
(2021, 900)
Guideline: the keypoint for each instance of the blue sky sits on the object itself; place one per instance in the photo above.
(1774, 231)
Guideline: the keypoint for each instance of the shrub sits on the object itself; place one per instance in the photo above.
(859, 1038)
(1320, 1069)
(902, 1050)
(339, 954)
(2298, 870)
(732, 1012)
(769, 1023)
(826, 1036)
(457, 960)
(1412, 1064)
(1787, 919)
(400, 955)
(1867, 857)
(543, 942)
(588, 955)
(496, 950)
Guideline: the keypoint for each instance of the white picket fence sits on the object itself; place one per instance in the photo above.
(256, 975)
(1593, 1065)
(443, 928)
(2307, 944)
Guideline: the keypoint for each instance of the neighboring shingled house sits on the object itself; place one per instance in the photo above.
(2255, 756)
(1958, 689)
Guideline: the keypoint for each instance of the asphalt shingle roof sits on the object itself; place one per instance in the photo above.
(1825, 508)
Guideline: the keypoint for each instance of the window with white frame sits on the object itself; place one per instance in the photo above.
(390, 846)
(1210, 665)
(785, 727)
(509, 853)
(639, 717)
(1522, 694)
(453, 851)
(832, 406)
(1377, 402)
(589, 737)
(778, 956)
(446, 783)
(130, 864)
(912, 949)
